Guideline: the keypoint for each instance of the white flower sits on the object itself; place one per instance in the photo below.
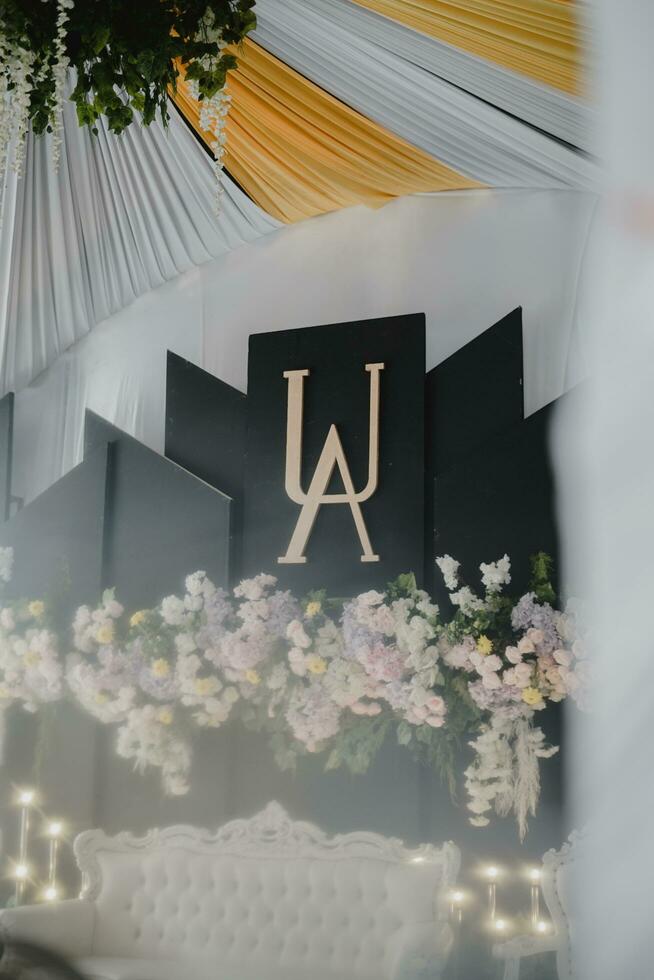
(296, 633)
(450, 571)
(172, 611)
(370, 598)
(198, 584)
(496, 574)
(193, 603)
(185, 643)
(467, 601)
(7, 620)
(6, 564)
(254, 588)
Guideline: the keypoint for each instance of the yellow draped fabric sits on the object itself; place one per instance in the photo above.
(298, 152)
(538, 38)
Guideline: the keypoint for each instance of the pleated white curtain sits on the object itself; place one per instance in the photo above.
(549, 109)
(379, 71)
(121, 216)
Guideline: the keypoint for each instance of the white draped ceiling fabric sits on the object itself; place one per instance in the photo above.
(391, 75)
(122, 216)
(356, 108)
(549, 109)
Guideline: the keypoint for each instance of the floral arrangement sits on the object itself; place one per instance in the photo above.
(318, 675)
(121, 58)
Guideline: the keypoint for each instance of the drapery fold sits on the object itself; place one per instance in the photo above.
(538, 38)
(557, 113)
(298, 151)
(456, 128)
(121, 216)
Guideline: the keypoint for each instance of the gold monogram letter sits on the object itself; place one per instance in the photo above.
(332, 455)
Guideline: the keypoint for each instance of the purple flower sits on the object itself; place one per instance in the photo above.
(355, 636)
(218, 611)
(505, 699)
(530, 613)
(283, 609)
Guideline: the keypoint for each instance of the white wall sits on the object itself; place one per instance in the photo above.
(465, 259)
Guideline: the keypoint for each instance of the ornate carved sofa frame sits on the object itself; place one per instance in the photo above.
(558, 871)
(261, 899)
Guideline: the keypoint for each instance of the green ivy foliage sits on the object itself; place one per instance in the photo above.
(125, 52)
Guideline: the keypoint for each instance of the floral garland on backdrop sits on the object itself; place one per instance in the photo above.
(124, 58)
(318, 675)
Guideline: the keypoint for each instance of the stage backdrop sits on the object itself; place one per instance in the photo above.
(464, 259)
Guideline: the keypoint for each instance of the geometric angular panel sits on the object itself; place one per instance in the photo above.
(161, 522)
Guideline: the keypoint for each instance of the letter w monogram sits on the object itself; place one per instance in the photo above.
(331, 457)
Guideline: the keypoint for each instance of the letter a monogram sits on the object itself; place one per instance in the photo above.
(332, 457)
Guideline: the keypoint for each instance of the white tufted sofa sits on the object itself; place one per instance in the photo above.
(262, 899)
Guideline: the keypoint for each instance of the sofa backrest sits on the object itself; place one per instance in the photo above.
(266, 890)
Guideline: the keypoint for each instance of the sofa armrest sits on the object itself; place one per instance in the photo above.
(514, 950)
(64, 927)
(422, 952)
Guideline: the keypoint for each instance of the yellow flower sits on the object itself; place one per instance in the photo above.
(316, 664)
(313, 608)
(100, 698)
(4, 693)
(532, 696)
(105, 634)
(137, 618)
(31, 658)
(160, 667)
(205, 686)
(36, 608)
(165, 716)
(484, 645)
(252, 677)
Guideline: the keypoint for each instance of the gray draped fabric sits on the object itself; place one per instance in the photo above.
(331, 43)
(121, 216)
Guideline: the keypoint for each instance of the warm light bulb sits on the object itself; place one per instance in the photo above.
(541, 926)
(26, 797)
(534, 874)
(457, 897)
(50, 894)
(55, 828)
(492, 872)
(418, 860)
(21, 872)
(500, 925)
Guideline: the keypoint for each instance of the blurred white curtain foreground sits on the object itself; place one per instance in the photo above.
(606, 464)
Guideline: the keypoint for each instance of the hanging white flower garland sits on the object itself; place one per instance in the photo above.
(17, 79)
(19, 75)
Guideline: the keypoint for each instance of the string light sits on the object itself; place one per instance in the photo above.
(541, 926)
(26, 798)
(457, 898)
(54, 832)
(21, 871)
(500, 925)
(51, 894)
(492, 874)
(534, 877)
